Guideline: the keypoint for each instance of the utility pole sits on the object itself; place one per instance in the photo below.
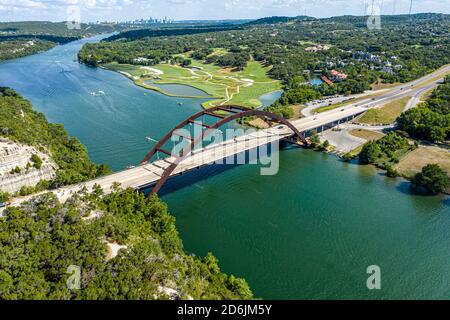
(410, 7)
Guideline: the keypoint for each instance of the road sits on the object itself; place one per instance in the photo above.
(145, 175)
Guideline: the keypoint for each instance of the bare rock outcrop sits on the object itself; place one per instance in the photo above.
(15, 155)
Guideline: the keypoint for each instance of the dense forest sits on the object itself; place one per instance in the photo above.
(11, 49)
(406, 48)
(43, 241)
(20, 123)
(430, 120)
(19, 39)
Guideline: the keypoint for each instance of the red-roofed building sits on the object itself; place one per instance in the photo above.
(338, 76)
(326, 80)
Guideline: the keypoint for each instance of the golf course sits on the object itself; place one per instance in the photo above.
(222, 85)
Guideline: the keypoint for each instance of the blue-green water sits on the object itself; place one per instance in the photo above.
(179, 89)
(113, 125)
(308, 232)
(269, 98)
(316, 81)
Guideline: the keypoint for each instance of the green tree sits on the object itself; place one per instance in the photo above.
(4, 196)
(432, 178)
(314, 139)
(370, 152)
(392, 172)
(37, 162)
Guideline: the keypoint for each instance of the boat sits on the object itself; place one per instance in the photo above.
(130, 166)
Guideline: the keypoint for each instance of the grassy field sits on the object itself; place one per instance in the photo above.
(414, 161)
(386, 114)
(381, 86)
(224, 85)
(366, 134)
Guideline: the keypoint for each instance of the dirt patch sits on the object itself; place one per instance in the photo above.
(414, 161)
(258, 123)
(297, 111)
(367, 134)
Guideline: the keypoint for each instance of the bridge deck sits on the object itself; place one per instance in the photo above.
(151, 173)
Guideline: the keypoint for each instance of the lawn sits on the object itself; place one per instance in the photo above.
(223, 84)
(366, 134)
(381, 86)
(414, 161)
(386, 114)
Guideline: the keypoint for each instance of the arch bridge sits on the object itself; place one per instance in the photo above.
(223, 115)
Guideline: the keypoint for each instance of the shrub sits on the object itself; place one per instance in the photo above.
(37, 162)
(432, 178)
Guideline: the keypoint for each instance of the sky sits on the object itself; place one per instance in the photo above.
(122, 10)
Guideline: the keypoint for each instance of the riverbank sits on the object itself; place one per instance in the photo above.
(308, 232)
(347, 143)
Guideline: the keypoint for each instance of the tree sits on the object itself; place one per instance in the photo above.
(4, 196)
(186, 63)
(392, 172)
(432, 178)
(37, 162)
(56, 236)
(314, 139)
(370, 152)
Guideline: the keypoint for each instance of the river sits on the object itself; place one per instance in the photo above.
(308, 232)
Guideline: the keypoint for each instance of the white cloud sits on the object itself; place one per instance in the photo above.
(25, 4)
(92, 10)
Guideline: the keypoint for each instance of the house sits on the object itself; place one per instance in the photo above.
(338, 76)
(319, 47)
(388, 70)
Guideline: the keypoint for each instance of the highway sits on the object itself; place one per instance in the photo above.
(150, 173)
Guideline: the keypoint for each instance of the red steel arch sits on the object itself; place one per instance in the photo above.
(229, 113)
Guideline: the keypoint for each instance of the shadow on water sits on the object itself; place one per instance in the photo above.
(446, 202)
(190, 178)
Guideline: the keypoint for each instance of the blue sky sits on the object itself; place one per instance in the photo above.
(114, 10)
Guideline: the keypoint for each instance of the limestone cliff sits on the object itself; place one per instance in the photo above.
(14, 155)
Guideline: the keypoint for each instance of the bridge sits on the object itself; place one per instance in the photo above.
(155, 172)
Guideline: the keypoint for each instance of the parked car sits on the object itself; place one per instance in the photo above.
(3, 204)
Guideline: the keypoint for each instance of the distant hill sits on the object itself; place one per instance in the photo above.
(277, 19)
(55, 29)
(173, 30)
